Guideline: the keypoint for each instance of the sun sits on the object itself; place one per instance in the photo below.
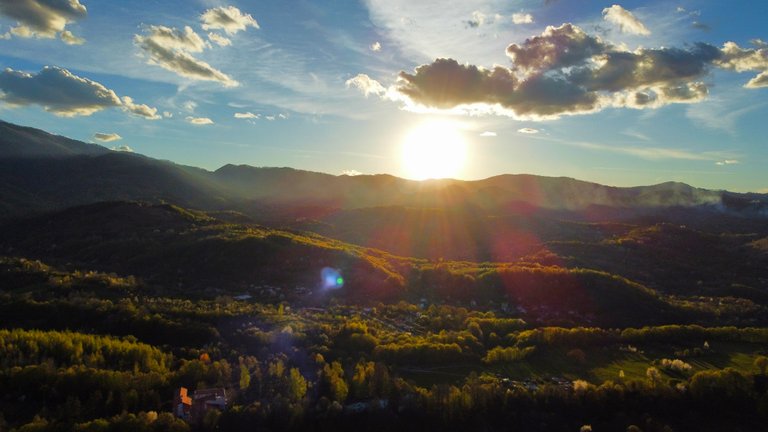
(434, 150)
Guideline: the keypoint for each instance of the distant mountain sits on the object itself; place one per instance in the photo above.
(19, 141)
(40, 171)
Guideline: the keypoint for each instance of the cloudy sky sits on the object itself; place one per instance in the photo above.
(622, 94)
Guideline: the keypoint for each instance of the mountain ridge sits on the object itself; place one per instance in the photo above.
(40, 171)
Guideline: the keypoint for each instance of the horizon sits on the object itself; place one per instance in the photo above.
(426, 180)
(382, 88)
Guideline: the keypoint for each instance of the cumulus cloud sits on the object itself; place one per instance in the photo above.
(171, 48)
(351, 173)
(64, 94)
(247, 115)
(727, 162)
(366, 85)
(565, 71)
(122, 148)
(375, 47)
(219, 39)
(229, 18)
(529, 131)
(199, 120)
(68, 38)
(627, 22)
(57, 90)
(44, 19)
(746, 60)
(488, 134)
(140, 110)
(106, 137)
(522, 18)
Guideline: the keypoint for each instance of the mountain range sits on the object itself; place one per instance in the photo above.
(615, 253)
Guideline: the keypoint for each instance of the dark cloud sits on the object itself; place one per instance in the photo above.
(557, 47)
(567, 71)
(56, 90)
(44, 18)
(621, 70)
(701, 26)
(63, 93)
(446, 84)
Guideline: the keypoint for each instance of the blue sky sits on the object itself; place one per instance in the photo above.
(621, 94)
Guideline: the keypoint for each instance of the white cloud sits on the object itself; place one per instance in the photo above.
(529, 131)
(44, 19)
(247, 115)
(140, 110)
(478, 19)
(747, 59)
(522, 18)
(106, 137)
(626, 21)
(63, 93)
(219, 39)
(170, 49)
(727, 162)
(270, 118)
(366, 85)
(199, 120)
(68, 38)
(122, 148)
(167, 114)
(760, 81)
(229, 18)
(189, 106)
(351, 173)
(488, 134)
(375, 47)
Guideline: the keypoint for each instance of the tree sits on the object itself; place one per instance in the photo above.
(245, 377)
(297, 385)
(761, 363)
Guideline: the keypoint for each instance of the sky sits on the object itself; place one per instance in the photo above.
(624, 94)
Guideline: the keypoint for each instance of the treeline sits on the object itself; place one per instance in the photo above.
(580, 336)
(367, 397)
(63, 349)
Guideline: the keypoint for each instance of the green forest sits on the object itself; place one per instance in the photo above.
(95, 351)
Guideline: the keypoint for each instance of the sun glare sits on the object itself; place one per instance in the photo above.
(434, 150)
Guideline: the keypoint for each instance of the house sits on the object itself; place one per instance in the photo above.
(194, 408)
(182, 403)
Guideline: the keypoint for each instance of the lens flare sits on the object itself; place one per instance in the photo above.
(331, 278)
